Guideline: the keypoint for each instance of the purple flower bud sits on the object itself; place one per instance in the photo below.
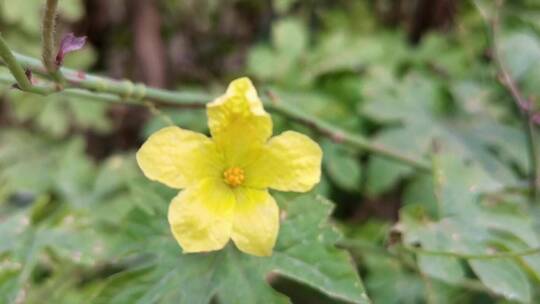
(69, 43)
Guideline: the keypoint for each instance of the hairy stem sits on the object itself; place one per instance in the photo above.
(48, 37)
(48, 29)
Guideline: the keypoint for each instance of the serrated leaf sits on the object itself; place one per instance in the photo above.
(390, 283)
(247, 271)
(470, 227)
(305, 252)
(313, 259)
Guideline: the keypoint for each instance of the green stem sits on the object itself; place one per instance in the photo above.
(522, 104)
(47, 36)
(534, 158)
(495, 255)
(18, 71)
(119, 91)
(364, 246)
(14, 67)
(360, 247)
(125, 90)
(342, 136)
(534, 139)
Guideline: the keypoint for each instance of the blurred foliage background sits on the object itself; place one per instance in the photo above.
(80, 224)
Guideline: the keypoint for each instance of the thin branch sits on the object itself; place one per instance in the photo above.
(364, 246)
(17, 70)
(360, 247)
(125, 90)
(14, 67)
(495, 255)
(342, 136)
(522, 103)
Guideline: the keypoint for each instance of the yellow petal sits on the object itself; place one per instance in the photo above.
(238, 122)
(179, 158)
(289, 162)
(201, 217)
(256, 221)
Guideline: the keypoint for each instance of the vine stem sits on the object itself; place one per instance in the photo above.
(523, 105)
(348, 243)
(495, 255)
(341, 136)
(362, 247)
(123, 91)
(48, 37)
(16, 69)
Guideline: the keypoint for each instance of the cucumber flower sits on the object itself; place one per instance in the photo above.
(226, 177)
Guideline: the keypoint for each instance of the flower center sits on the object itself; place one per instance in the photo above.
(234, 176)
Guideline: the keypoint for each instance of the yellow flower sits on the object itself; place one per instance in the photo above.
(226, 177)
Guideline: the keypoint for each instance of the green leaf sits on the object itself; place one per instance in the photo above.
(11, 229)
(76, 175)
(447, 269)
(56, 113)
(458, 184)
(503, 277)
(305, 252)
(468, 226)
(390, 283)
(289, 37)
(246, 271)
(341, 51)
(420, 192)
(283, 6)
(28, 13)
(342, 167)
(383, 174)
(390, 99)
(521, 52)
(308, 255)
(261, 62)
(53, 117)
(89, 114)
